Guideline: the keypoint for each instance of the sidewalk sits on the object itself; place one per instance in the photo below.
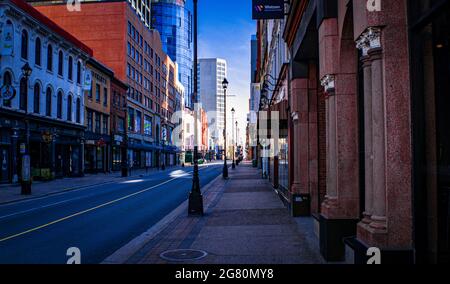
(245, 222)
(11, 193)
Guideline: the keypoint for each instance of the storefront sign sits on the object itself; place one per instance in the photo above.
(7, 92)
(7, 38)
(87, 80)
(268, 9)
(118, 138)
(23, 148)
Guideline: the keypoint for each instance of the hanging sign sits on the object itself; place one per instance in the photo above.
(87, 80)
(7, 39)
(267, 9)
(7, 92)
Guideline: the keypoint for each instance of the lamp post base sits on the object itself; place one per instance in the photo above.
(124, 172)
(195, 204)
(225, 171)
(233, 166)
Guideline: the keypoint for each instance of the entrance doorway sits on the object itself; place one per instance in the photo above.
(430, 56)
(4, 164)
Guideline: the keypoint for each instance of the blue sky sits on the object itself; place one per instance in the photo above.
(225, 29)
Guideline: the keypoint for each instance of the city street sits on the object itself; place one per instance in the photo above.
(97, 220)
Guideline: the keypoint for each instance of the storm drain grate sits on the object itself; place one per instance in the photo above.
(179, 255)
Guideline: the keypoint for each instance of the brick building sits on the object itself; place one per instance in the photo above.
(368, 149)
(123, 41)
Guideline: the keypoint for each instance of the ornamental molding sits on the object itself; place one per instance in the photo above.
(370, 39)
(329, 83)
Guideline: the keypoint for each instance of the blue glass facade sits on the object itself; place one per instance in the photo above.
(173, 19)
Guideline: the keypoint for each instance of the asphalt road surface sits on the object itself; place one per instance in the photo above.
(97, 220)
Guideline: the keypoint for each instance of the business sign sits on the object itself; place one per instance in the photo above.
(268, 9)
(7, 38)
(87, 80)
(7, 92)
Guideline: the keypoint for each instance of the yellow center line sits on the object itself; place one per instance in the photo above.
(85, 211)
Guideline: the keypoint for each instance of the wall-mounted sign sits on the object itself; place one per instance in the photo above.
(7, 39)
(267, 9)
(87, 80)
(7, 92)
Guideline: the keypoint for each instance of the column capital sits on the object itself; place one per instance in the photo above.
(369, 40)
(329, 83)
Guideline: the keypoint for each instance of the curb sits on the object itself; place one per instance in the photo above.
(131, 248)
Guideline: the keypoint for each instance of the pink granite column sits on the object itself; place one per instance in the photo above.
(378, 128)
(364, 45)
(300, 106)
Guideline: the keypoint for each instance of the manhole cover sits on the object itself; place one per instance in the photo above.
(183, 255)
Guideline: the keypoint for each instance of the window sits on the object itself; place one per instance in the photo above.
(37, 52)
(147, 125)
(138, 121)
(24, 45)
(48, 102)
(50, 58)
(97, 122)
(23, 94)
(97, 92)
(7, 81)
(60, 63)
(70, 71)
(105, 124)
(121, 125)
(37, 98)
(105, 96)
(59, 105)
(69, 108)
(79, 72)
(89, 120)
(78, 118)
(130, 119)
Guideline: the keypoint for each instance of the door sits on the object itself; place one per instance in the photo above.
(430, 57)
(4, 165)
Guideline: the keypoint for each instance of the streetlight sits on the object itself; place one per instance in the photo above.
(195, 196)
(236, 142)
(225, 167)
(26, 170)
(233, 166)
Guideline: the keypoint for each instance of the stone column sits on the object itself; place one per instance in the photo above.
(363, 44)
(378, 127)
(15, 162)
(328, 82)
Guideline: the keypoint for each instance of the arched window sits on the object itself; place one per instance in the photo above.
(7, 81)
(69, 108)
(37, 98)
(79, 72)
(59, 105)
(78, 118)
(70, 71)
(24, 45)
(23, 103)
(60, 63)
(48, 102)
(37, 52)
(49, 57)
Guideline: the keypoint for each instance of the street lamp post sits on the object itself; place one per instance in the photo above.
(195, 196)
(233, 165)
(26, 169)
(225, 166)
(236, 142)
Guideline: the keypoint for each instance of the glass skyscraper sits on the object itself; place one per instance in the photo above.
(173, 19)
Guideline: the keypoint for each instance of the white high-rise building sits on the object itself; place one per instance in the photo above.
(211, 72)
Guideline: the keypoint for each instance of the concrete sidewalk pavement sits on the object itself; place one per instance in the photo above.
(245, 222)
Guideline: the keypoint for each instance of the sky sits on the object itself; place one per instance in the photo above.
(224, 31)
